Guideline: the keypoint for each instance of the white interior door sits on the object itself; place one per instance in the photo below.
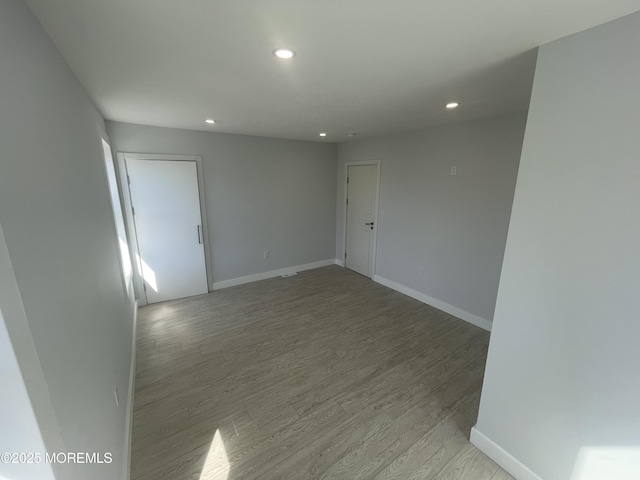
(362, 184)
(166, 204)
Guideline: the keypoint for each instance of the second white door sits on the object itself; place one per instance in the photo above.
(166, 203)
(362, 186)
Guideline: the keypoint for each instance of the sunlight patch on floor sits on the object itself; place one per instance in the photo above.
(216, 465)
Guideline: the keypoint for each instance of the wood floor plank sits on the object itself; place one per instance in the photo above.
(469, 464)
(405, 431)
(327, 448)
(254, 462)
(325, 375)
(501, 475)
(369, 456)
(395, 377)
(424, 458)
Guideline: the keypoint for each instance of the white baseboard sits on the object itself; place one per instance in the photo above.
(130, 397)
(434, 302)
(270, 274)
(339, 262)
(503, 458)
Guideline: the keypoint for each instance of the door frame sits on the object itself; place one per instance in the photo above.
(378, 164)
(124, 156)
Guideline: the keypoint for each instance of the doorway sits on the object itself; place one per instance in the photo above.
(361, 216)
(168, 218)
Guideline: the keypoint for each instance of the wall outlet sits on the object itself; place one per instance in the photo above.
(454, 170)
(267, 254)
(115, 394)
(421, 272)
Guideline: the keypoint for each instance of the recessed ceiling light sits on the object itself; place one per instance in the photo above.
(284, 53)
(452, 105)
(323, 134)
(210, 120)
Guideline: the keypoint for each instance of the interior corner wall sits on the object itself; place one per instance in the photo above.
(561, 389)
(261, 194)
(455, 227)
(58, 227)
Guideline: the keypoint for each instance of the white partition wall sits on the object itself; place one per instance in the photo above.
(561, 392)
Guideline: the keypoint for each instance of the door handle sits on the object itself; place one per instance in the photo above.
(199, 241)
(370, 223)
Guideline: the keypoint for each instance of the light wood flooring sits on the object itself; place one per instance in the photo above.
(325, 375)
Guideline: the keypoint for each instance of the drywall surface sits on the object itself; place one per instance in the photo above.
(20, 432)
(55, 213)
(454, 227)
(561, 387)
(19, 366)
(262, 194)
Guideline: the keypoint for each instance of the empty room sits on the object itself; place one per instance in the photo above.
(278, 239)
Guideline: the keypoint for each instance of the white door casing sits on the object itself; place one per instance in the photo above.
(168, 223)
(361, 217)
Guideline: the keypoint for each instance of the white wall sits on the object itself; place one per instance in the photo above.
(562, 373)
(453, 226)
(55, 212)
(20, 368)
(20, 432)
(261, 193)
